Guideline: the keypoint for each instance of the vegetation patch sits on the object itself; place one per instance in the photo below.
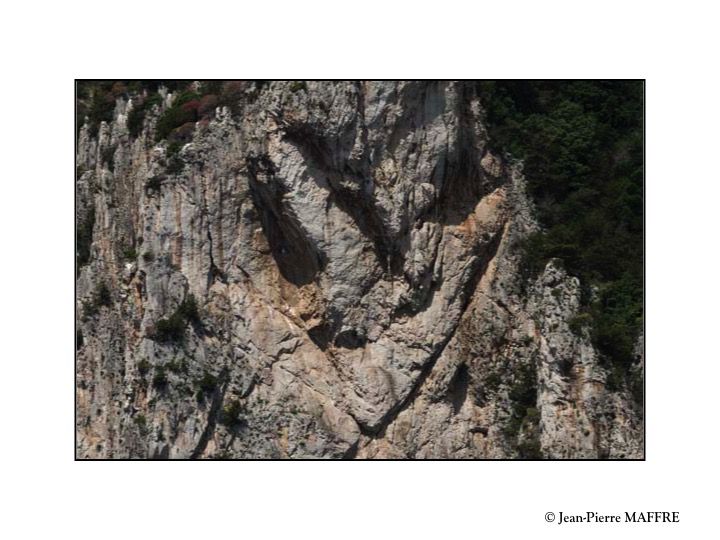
(129, 254)
(84, 237)
(183, 110)
(141, 422)
(160, 380)
(172, 329)
(136, 116)
(153, 184)
(523, 399)
(230, 414)
(297, 86)
(143, 367)
(582, 147)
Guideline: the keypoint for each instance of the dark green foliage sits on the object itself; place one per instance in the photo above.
(84, 237)
(296, 86)
(579, 322)
(189, 309)
(636, 385)
(135, 121)
(523, 398)
(78, 339)
(153, 184)
(130, 254)
(143, 367)
(141, 422)
(529, 446)
(582, 146)
(178, 367)
(160, 379)
(148, 256)
(102, 106)
(182, 111)
(175, 163)
(136, 117)
(230, 414)
(102, 295)
(171, 329)
(232, 95)
(207, 384)
(108, 157)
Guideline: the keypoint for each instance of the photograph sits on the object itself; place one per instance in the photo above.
(326, 270)
(359, 269)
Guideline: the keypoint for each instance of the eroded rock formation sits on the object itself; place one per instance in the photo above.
(353, 251)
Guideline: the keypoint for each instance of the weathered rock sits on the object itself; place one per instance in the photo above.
(353, 248)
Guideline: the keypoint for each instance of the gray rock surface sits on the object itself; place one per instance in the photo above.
(353, 249)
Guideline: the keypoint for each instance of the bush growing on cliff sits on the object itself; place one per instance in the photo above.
(230, 414)
(108, 157)
(153, 184)
(129, 253)
(160, 379)
(172, 329)
(207, 383)
(102, 295)
(297, 86)
(143, 367)
(136, 116)
(189, 309)
(102, 107)
(84, 237)
(183, 110)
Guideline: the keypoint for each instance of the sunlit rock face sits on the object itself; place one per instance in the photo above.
(352, 249)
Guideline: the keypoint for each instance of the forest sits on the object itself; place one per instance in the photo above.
(581, 143)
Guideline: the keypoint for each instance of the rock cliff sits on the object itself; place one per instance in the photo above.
(326, 270)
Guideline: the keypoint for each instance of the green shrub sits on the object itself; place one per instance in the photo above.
(135, 121)
(529, 448)
(178, 367)
(160, 379)
(143, 367)
(171, 329)
(90, 309)
(102, 107)
(579, 322)
(84, 237)
(523, 398)
(183, 110)
(230, 414)
(141, 422)
(108, 157)
(153, 184)
(175, 165)
(207, 384)
(130, 254)
(188, 309)
(102, 295)
(78, 339)
(136, 117)
(148, 256)
(296, 86)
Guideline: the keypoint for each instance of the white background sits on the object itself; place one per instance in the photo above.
(45, 45)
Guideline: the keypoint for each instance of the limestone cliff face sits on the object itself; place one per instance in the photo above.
(353, 251)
